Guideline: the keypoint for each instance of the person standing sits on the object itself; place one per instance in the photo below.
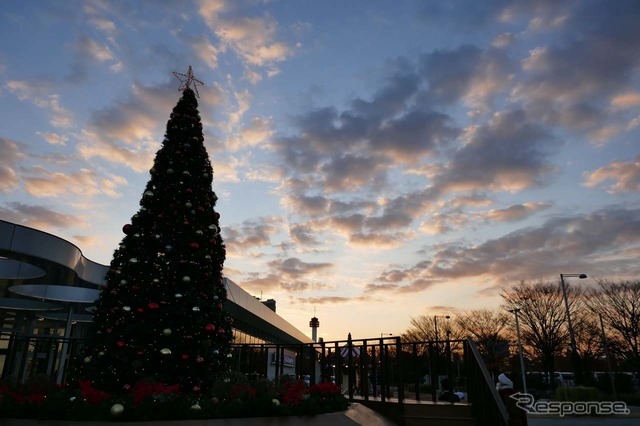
(517, 416)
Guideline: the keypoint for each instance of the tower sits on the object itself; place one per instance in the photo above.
(314, 324)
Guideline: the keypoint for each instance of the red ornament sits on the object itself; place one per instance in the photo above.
(127, 228)
(195, 246)
(185, 356)
(120, 343)
(140, 310)
(153, 305)
(196, 388)
(210, 327)
(189, 190)
(217, 215)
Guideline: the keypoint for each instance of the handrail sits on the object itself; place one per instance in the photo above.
(486, 404)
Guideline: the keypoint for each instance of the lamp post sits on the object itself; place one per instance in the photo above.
(524, 376)
(575, 357)
(608, 355)
(435, 324)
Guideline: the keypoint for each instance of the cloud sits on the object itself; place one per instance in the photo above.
(90, 49)
(597, 241)
(129, 131)
(290, 274)
(330, 300)
(509, 153)
(252, 39)
(515, 212)
(11, 153)
(53, 138)
(257, 131)
(294, 268)
(624, 174)
(38, 93)
(626, 100)
(590, 63)
(251, 234)
(467, 73)
(39, 217)
(84, 182)
(303, 234)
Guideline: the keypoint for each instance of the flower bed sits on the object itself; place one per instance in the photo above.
(230, 396)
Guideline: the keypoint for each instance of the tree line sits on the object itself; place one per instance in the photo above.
(605, 319)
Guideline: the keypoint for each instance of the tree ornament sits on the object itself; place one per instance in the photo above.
(178, 295)
(166, 332)
(117, 410)
(148, 194)
(127, 228)
(185, 356)
(214, 228)
(153, 305)
(165, 351)
(133, 260)
(87, 359)
(169, 171)
(194, 246)
(120, 343)
(186, 279)
(196, 407)
(126, 308)
(210, 328)
(188, 205)
(195, 309)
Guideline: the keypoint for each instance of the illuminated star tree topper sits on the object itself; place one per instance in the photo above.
(187, 79)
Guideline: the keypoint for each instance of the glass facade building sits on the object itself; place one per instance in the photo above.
(47, 290)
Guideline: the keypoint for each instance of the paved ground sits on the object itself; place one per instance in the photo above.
(632, 419)
(584, 421)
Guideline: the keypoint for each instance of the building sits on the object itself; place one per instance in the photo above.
(47, 288)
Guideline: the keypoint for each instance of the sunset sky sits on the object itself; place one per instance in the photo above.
(374, 160)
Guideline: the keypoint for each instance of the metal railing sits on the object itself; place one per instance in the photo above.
(383, 369)
(486, 404)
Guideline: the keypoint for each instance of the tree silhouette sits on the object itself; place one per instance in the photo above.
(161, 315)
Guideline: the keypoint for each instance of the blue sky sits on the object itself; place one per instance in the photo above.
(374, 160)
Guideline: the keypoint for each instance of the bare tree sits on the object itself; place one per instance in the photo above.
(619, 305)
(542, 318)
(586, 327)
(489, 329)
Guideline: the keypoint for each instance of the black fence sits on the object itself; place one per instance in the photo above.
(381, 369)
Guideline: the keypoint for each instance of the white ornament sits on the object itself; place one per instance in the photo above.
(117, 410)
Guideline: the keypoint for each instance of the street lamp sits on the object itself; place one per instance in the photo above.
(575, 357)
(435, 324)
(524, 377)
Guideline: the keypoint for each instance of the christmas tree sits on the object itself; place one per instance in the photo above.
(161, 316)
